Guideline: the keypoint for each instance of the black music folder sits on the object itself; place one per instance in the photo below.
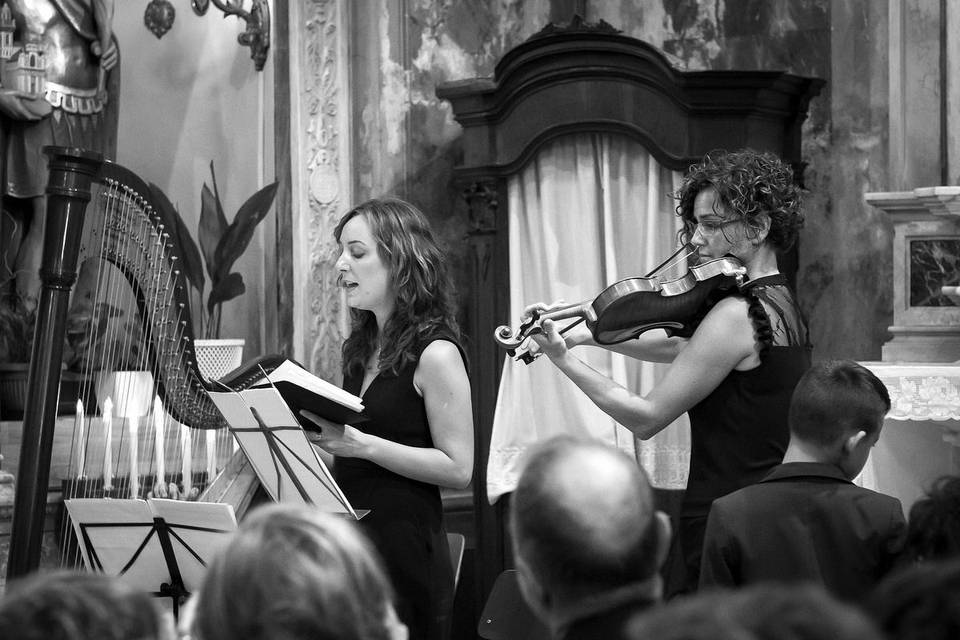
(301, 390)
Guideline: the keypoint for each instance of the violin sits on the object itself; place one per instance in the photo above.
(669, 297)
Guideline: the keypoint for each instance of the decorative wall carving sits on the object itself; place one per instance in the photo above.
(482, 203)
(321, 93)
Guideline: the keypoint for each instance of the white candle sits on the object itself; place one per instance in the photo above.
(108, 444)
(134, 428)
(159, 440)
(211, 455)
(185, 447)
(81, 445)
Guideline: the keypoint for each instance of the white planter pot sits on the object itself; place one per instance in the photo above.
(217, 358)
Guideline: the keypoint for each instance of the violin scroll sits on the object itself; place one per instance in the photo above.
(510, 339)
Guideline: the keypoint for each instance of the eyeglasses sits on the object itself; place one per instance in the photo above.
(709, 227)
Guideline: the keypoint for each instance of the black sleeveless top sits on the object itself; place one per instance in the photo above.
(405, 521)
(739, 432)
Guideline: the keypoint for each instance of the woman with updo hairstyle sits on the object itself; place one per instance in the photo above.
(295, 573)
(735, 372)
(404, 358)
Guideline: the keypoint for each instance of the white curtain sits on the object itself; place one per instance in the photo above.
(587, 211)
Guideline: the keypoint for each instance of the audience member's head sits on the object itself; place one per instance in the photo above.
(583, 523)
(296, 573)
(74, 605)
(919, 602)
(770, 611)
(836, 414)
(933, 528)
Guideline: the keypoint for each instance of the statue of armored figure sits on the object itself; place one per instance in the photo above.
(59, 70)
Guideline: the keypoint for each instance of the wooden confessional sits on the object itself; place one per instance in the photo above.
(586, 78)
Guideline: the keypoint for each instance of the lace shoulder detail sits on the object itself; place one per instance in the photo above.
(774, 313)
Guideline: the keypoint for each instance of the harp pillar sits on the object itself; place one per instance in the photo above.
(68, 192)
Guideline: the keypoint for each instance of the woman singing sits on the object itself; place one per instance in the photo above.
(404, 358)
(735, 374)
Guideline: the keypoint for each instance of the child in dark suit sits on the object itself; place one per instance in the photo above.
(806, 520)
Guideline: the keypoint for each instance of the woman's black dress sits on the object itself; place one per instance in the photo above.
(405, 521)
(739, 431)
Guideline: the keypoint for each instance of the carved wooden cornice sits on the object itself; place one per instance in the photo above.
(574, 80)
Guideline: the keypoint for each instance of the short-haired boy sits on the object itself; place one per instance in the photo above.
(806, 521)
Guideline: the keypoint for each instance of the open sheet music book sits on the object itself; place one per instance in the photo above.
(155, 545)
(278, 450)
(300, 389)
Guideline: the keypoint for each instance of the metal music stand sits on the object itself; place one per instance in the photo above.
(278, 450)
(158, 546)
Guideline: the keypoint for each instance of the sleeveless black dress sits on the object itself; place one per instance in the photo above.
(406, 518)
(739, 432)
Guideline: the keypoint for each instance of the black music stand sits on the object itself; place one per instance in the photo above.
(278, 450)
(158, 546)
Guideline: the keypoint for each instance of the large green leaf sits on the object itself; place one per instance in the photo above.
(184, 247)
(213, 225)
(238, 235)
(225, 289)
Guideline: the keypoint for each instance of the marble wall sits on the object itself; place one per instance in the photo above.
(407, 143)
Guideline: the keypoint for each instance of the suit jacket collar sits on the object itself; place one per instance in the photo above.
(790, 470)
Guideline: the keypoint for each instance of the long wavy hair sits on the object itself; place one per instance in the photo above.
(425, 302)
(748, 183)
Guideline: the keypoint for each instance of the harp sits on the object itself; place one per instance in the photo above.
(101, 214)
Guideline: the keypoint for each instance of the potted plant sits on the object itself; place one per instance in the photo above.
(221, 243)
(17, 326)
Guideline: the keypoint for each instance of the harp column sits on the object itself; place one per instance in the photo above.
(321, 184)
(68, 192)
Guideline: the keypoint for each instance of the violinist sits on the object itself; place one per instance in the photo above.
(734, 374)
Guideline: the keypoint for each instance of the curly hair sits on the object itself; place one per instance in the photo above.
(425, 302)
(918, 601)
(748, 183)
(933, 530)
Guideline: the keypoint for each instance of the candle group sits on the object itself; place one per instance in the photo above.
(159, 420)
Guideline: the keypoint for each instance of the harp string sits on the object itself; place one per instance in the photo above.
(131, 255)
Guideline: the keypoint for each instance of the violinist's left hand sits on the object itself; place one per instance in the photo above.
(551, 343)
(337, 439)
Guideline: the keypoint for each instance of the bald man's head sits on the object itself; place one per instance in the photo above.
(583, 518)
